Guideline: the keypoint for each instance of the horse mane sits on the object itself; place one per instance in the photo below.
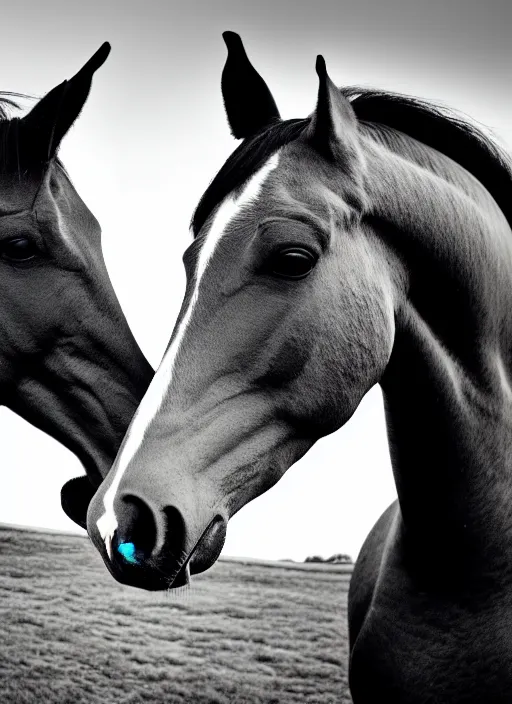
(445, 130)
(436, 126)
(7, 103)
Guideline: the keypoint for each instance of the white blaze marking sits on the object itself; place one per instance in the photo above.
(152, 401)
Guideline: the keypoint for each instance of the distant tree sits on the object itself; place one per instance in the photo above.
(340, 559)
(314, 558)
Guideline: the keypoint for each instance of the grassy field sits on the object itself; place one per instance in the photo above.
(243, 633)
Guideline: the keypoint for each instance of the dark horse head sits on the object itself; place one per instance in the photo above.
(68, 361)
(269, 352)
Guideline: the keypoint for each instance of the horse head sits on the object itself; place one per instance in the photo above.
(69, 363)
(287, 321)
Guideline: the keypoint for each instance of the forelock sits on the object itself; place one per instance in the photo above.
(246, 160)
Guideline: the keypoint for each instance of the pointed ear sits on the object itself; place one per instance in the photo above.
(46, 124)
(333, 127)
(249, 103)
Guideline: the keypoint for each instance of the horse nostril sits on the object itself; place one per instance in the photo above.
(174, 531)
(136, 533)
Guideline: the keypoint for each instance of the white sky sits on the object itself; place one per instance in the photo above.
(151, 137)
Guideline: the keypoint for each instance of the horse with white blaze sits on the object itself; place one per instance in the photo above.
(369, 243)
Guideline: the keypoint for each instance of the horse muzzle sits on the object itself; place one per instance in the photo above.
(156, 549)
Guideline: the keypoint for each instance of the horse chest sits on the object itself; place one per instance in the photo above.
(413, 649)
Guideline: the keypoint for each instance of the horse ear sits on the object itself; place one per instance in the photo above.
(49, 120)
(248, 102)
(333, 125)
(75, 497)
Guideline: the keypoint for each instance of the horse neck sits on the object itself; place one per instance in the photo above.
(447, 390)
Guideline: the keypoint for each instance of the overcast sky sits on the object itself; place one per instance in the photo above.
(151, 137)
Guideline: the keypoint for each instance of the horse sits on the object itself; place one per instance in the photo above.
(369, 243)
(69, 363)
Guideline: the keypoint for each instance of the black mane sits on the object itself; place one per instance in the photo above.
(7, 102)
(7, 106)
(431, 124)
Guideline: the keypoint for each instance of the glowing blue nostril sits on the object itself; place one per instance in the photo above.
(127, 550)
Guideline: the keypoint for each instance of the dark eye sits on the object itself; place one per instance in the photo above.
(293, 263)
(18, 249)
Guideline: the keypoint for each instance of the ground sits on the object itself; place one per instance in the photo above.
(243, 633)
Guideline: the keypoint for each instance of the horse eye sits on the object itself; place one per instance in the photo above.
(18, 249)
(293, 263)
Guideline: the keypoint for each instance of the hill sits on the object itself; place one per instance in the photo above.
(245, 632)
